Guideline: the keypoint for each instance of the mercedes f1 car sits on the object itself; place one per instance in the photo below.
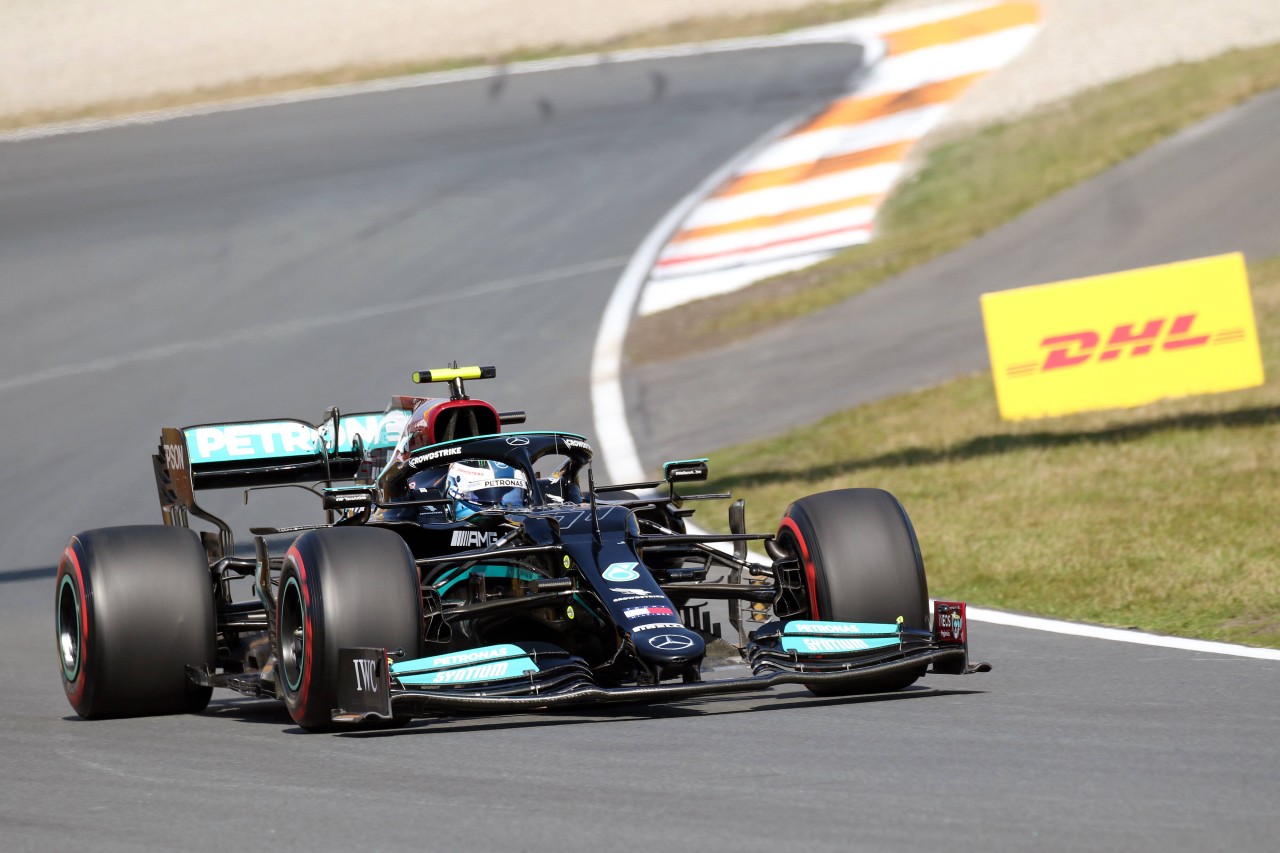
(465, 567)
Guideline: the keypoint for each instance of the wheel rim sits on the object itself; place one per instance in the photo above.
(69, 628)
(293, 649)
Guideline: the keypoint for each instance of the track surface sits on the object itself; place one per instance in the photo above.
(248, 264)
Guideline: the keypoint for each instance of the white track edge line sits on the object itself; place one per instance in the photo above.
(622, 460)
(1117, 635)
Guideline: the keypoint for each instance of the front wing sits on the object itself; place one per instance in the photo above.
(525, 677)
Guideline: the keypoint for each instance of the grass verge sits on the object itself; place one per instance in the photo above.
(970, 185)
(678, 32)
(1161, 517)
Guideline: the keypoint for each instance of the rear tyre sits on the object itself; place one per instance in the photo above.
(133, 607)
(341, 587)
(861, 563)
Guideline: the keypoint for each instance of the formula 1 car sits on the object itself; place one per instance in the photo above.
(464, 567)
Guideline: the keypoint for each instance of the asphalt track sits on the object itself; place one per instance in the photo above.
(277, 261)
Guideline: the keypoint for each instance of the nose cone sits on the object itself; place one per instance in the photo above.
(669, 648)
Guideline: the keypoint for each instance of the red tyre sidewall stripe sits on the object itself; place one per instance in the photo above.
(77, 694)
(810, 572)
(307, 628)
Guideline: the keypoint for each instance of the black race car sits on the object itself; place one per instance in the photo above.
(464, 567)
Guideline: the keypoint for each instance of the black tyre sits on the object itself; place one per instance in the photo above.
(861, 563)
(341, 587)
(133, 607)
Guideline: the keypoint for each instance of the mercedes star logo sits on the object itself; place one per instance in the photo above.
(517, 441)
(671, 642)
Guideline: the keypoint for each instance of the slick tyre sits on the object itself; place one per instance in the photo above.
(861, 563)
(341, 587)
(133, 608)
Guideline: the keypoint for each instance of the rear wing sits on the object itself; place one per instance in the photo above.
(277, 452)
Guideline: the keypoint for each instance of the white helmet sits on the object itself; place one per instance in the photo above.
(476, 484)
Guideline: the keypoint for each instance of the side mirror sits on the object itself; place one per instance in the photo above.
(348, 498)
(685, 471)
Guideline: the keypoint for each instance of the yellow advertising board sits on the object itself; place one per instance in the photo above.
(1125, 339)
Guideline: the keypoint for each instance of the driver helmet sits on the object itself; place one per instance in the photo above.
(476, 484)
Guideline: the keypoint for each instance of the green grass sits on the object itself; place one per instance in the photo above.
(1162, 517)
(970, 185)
(678, 32)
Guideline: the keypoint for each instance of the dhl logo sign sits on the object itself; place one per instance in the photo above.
(1124, 339)
(1162, 333)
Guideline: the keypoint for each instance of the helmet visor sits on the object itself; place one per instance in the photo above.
(483, 483)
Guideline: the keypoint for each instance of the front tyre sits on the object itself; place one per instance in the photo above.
(861, 563)
(341, 587)
(133, 607)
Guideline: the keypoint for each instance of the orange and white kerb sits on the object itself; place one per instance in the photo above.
(817, 189)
